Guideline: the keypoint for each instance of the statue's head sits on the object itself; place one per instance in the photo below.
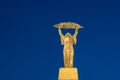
(68, 35)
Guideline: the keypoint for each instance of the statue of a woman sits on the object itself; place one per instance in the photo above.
(68, 41)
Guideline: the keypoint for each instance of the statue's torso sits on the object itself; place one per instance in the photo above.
(68, 41)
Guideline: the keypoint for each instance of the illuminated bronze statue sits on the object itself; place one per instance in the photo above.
(68, 41)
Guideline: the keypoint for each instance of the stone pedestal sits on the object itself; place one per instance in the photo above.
(68, 74)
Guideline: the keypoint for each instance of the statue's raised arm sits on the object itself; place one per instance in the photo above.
(61, 35)
(76, 32)
(60, 32)
(75, 35)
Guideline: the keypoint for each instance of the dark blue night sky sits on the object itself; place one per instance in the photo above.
(30, 47)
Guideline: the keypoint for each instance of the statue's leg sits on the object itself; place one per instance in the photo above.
(65, 53)
(68, 54)
(64, 58)
(71, 56)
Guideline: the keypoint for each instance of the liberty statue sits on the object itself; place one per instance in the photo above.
(68, 41)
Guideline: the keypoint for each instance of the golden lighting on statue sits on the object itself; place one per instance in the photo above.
(68, 40)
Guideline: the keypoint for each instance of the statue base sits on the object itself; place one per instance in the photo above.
(68, 74)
